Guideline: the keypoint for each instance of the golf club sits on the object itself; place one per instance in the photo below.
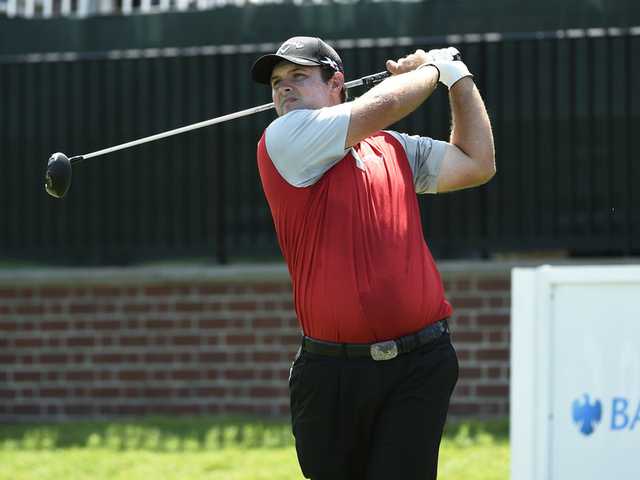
(58, 173)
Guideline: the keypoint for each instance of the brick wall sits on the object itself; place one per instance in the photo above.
(108, 342)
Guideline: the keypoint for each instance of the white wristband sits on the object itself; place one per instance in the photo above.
(452, 71)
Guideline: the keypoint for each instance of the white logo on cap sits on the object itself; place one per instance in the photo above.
(332, 63)
(284, 48)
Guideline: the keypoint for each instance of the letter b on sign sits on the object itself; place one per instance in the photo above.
(619, 417)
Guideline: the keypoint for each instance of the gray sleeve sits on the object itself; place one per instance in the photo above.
(425, 158)
(304, 144)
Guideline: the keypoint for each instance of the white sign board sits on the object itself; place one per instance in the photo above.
(575, 373)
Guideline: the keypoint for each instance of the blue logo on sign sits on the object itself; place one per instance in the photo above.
(586, 413)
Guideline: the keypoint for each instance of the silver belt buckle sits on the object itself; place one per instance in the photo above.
(384, 350)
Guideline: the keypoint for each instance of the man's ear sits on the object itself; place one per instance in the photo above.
(337, 81)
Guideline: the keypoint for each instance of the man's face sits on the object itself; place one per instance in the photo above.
(296, 87)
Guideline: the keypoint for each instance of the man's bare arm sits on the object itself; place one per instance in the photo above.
(393, 99)
(471, 160)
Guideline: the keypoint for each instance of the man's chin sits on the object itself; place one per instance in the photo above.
(291, 107)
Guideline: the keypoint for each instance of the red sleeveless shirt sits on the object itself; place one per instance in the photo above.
(353, 242)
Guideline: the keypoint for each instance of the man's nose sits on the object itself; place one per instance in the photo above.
(284, 86)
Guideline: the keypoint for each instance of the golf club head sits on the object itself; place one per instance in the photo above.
(58, 175)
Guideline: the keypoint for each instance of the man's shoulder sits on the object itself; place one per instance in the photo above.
(387, 137)
(383, 135)
(295, 120)
(310, 116)
(292, 116)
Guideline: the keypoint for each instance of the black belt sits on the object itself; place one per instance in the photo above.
(380, 350)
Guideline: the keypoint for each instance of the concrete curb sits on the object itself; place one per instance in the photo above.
(246, 272)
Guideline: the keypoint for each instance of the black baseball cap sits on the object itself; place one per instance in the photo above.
(308, 51)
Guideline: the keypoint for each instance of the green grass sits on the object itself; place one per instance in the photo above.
(212, 448)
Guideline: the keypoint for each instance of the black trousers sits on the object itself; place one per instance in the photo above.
(361, 419)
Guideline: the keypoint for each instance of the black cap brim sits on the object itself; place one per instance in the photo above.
(262, 68)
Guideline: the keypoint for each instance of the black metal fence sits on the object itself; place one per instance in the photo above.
(564, 108)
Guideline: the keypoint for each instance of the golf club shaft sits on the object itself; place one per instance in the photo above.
(367, 81)
(176, 131)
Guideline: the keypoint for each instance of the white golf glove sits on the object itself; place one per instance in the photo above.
(446, 60)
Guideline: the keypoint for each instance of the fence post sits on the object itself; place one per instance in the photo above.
(29, 8)
(47, 8)
(126, 7)
(65, 7)
(12, 8)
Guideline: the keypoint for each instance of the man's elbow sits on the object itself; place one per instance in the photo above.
(488, 170)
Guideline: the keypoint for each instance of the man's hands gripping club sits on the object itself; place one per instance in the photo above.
(413, 79)
(469, 158)
(446, 60)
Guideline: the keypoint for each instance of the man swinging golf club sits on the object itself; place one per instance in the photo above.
(370, 386)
